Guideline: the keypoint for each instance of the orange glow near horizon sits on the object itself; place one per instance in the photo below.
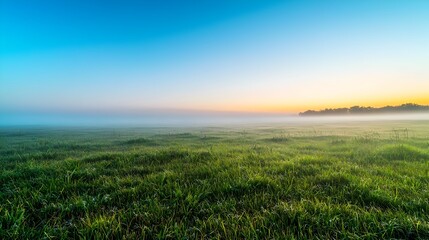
(296, 108)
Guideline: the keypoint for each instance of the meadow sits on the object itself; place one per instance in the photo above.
(312, 180)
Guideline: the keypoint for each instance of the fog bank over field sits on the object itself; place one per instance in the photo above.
(185, 119)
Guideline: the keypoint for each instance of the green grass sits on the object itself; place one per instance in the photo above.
(292, 181)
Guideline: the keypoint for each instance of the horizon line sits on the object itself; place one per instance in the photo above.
(170, 111)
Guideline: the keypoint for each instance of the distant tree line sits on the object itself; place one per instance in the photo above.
(408, 107)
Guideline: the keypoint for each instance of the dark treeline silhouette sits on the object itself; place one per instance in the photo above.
(404, 108)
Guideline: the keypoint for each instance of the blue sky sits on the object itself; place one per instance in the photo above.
(251, 56)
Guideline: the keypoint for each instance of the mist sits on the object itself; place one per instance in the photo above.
(185, 119)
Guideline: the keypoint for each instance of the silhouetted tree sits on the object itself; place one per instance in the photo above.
(407, 107)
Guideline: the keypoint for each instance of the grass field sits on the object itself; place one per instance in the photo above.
(354, 180)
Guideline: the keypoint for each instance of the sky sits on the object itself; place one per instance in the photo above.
(222, 56)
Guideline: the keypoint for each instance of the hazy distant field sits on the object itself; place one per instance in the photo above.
(360, 180)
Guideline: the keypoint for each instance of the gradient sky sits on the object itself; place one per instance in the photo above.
(253, 56)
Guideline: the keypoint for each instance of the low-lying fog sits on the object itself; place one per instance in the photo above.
(189, 120)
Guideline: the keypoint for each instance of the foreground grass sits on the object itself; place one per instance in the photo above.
(360, 180)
